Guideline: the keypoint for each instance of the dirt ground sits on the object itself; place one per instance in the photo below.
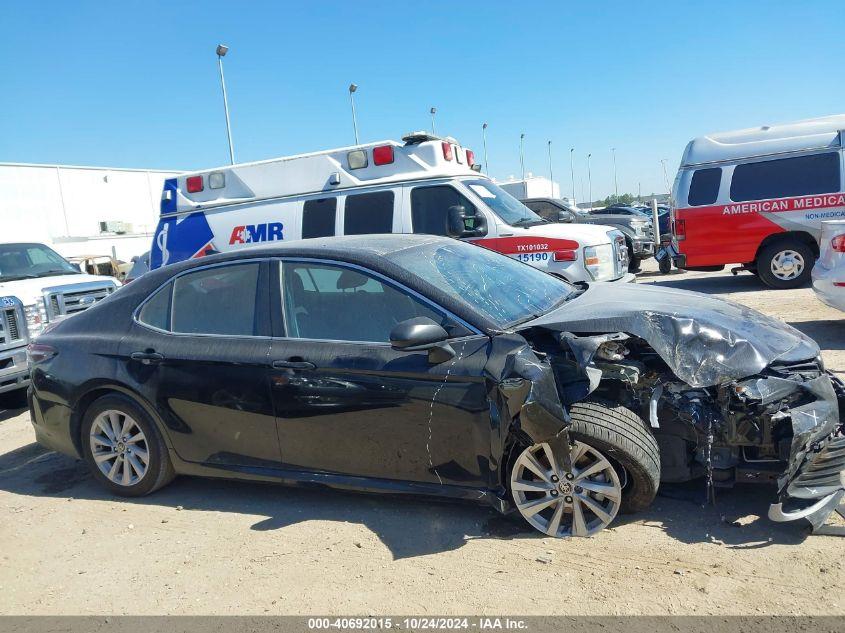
(212, 547)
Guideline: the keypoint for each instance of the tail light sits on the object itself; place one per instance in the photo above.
(383, 154)
(447, 150)
(194, 184)
(679, 228)
(38, 353)
(566, 256)
(838, 243)
(470, 157)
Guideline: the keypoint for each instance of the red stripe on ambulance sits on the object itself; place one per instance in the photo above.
(525, 245)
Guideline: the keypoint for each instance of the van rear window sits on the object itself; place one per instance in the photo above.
(318, 217)
(367, 213)
(704, 186)
(800, 176)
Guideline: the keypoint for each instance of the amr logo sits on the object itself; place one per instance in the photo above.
(251, 233)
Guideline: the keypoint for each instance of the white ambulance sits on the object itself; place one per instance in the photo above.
(426, 184)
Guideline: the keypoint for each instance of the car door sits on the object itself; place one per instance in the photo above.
(199, 349)
(348, 403)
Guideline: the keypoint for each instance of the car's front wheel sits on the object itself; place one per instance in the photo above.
(615, 466)
(123, 448)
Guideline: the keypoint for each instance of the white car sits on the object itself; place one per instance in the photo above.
(829, 271)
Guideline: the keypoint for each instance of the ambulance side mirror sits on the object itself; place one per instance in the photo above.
(466, 224)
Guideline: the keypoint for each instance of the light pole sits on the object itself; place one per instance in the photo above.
(484, 142)
(222, 49)
(352, 89)
(615, 181)
(589, 182)
(551, 175)
(522, 153)
(572, 172)
(433, 129)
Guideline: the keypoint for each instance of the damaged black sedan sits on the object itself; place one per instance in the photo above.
(423, 365)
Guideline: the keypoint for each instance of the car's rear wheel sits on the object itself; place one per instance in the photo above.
(786, 263)
(615, 467)
(123, 448)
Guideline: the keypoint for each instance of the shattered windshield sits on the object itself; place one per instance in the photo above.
(504, 290)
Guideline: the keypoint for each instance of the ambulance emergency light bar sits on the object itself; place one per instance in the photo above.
(356, 159)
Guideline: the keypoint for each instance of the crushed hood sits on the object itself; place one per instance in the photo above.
(705, 340)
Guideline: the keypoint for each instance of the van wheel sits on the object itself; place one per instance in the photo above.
(123, 448)
(665, 265)
(785, 264)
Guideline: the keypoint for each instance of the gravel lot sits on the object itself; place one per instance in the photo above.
(213, 547)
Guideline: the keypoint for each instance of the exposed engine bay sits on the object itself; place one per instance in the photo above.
(781, 426)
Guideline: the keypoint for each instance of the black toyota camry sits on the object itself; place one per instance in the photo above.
(418, 364)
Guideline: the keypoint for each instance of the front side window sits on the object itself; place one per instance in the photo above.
(318, 217)
(430, 208)
(368, 213)
(220, 300)
(704, 186)
(785, 177)
(336, 303)
(509, 209)
(546, 210)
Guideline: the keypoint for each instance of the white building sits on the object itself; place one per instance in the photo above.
(81, 210)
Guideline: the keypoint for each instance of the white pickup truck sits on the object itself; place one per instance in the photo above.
(38, 286)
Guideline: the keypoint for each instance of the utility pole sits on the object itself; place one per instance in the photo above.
(522, 153)
(615, 180)
(551, 174)
(433, 129)
(572, 172)
(222, 49)
(352, 89)
(484, 142)
(590, 182)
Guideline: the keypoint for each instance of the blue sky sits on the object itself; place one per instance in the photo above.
(135, 84)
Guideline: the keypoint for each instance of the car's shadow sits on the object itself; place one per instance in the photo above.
(409, 527)
(828, 333)
(715, 284)
(12, 404)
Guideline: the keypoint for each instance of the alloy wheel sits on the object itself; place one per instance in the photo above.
(119, 448)
(561, 503)
(787, 265)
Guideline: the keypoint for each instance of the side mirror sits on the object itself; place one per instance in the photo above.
(565, 216)
(419, 334)
(465, 224)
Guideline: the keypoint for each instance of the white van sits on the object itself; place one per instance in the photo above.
(426, 184)
(757, 197)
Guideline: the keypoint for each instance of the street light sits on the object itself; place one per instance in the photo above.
(484, 142)
(222, 49)
(522, 153)
(352, 89)
(551, 175)
(433, 129)
(572, 172)
(590, 182)
(615, 181)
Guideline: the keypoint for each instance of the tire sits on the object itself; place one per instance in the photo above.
(158, 470)
(625, 439)
(665, 265)
(634, 264)
(792, 252)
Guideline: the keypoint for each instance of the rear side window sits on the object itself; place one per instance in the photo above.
(430, 208)
(801, 176)
(368, 213)
(318, 217)
(220, 300)
(156, 311)
(704, 186)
